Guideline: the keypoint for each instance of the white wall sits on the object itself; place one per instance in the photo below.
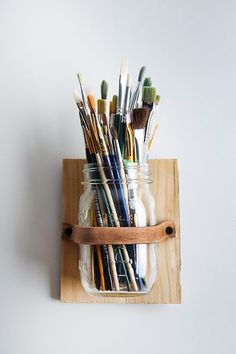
(189, 49)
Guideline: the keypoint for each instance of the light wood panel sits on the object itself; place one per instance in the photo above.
(165, 187)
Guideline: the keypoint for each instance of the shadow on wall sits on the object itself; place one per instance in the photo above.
(39, 231)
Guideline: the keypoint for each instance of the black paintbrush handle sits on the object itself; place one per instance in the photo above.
(106, 268)
(122, 137)
(123, 206)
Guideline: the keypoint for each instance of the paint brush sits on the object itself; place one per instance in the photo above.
(140, 117)
(147, 81)
(130, 250)
(151, 118)
(129, 151)
(152, 136)
(119, 121)
(83, 94)
(119, 176)
(122, 87)
(127, 94)
(126, 132)
(114, 216)
(117, 224)
(92, 104)
(104, 89)
(122, 127)
(96, 156)
(101, 104)
(136, 92)
(83, 125)
(153, 106)
(148, 96)
(113, 109)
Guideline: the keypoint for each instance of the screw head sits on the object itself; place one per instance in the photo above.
(169, 230)
(68, 231)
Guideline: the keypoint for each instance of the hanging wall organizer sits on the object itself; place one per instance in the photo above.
(120, 222)
(165, 188)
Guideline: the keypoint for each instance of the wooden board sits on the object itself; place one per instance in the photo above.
(165, 188)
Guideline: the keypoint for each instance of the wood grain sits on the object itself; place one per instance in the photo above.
(167, 289)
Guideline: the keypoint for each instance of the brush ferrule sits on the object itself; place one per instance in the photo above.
(135, 96)
(121, 96)
(149, 125)
(126, 101)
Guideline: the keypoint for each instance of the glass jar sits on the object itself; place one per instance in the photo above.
(114, 197)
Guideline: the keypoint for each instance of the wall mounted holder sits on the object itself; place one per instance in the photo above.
(165, 190)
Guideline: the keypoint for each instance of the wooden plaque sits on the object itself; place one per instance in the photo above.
(165, 188)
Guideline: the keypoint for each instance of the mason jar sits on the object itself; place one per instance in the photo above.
(117, 201)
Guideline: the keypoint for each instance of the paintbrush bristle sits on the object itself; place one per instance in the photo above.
(79, 77)
(140, 117)
(124, 67)
(157, 99)
(141, 73)
(111, 108)
(129, 80)
(104, 89)
(77, 97)
(147, 82)
(128, 118)
(91, 103)
(149, 94)
(113, 132)
(114, 103)
(101, 106)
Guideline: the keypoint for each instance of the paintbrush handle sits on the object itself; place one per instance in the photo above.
(152, 136)
(122, 137)
(109, 271)
(107, 189)
(110, 174)
(121, 169)
(113, 267)
(125, 218)
(107, 268)
(130, 268)
(117, 224)
(120, 189)
(123, 266)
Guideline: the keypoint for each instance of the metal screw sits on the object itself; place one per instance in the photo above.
(169, 230)
(68, 231)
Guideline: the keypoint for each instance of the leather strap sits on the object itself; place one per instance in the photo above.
(118, 235)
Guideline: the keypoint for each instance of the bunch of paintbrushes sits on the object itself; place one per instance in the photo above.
(125, 133)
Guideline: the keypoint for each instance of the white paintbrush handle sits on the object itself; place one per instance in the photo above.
(113, 267)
